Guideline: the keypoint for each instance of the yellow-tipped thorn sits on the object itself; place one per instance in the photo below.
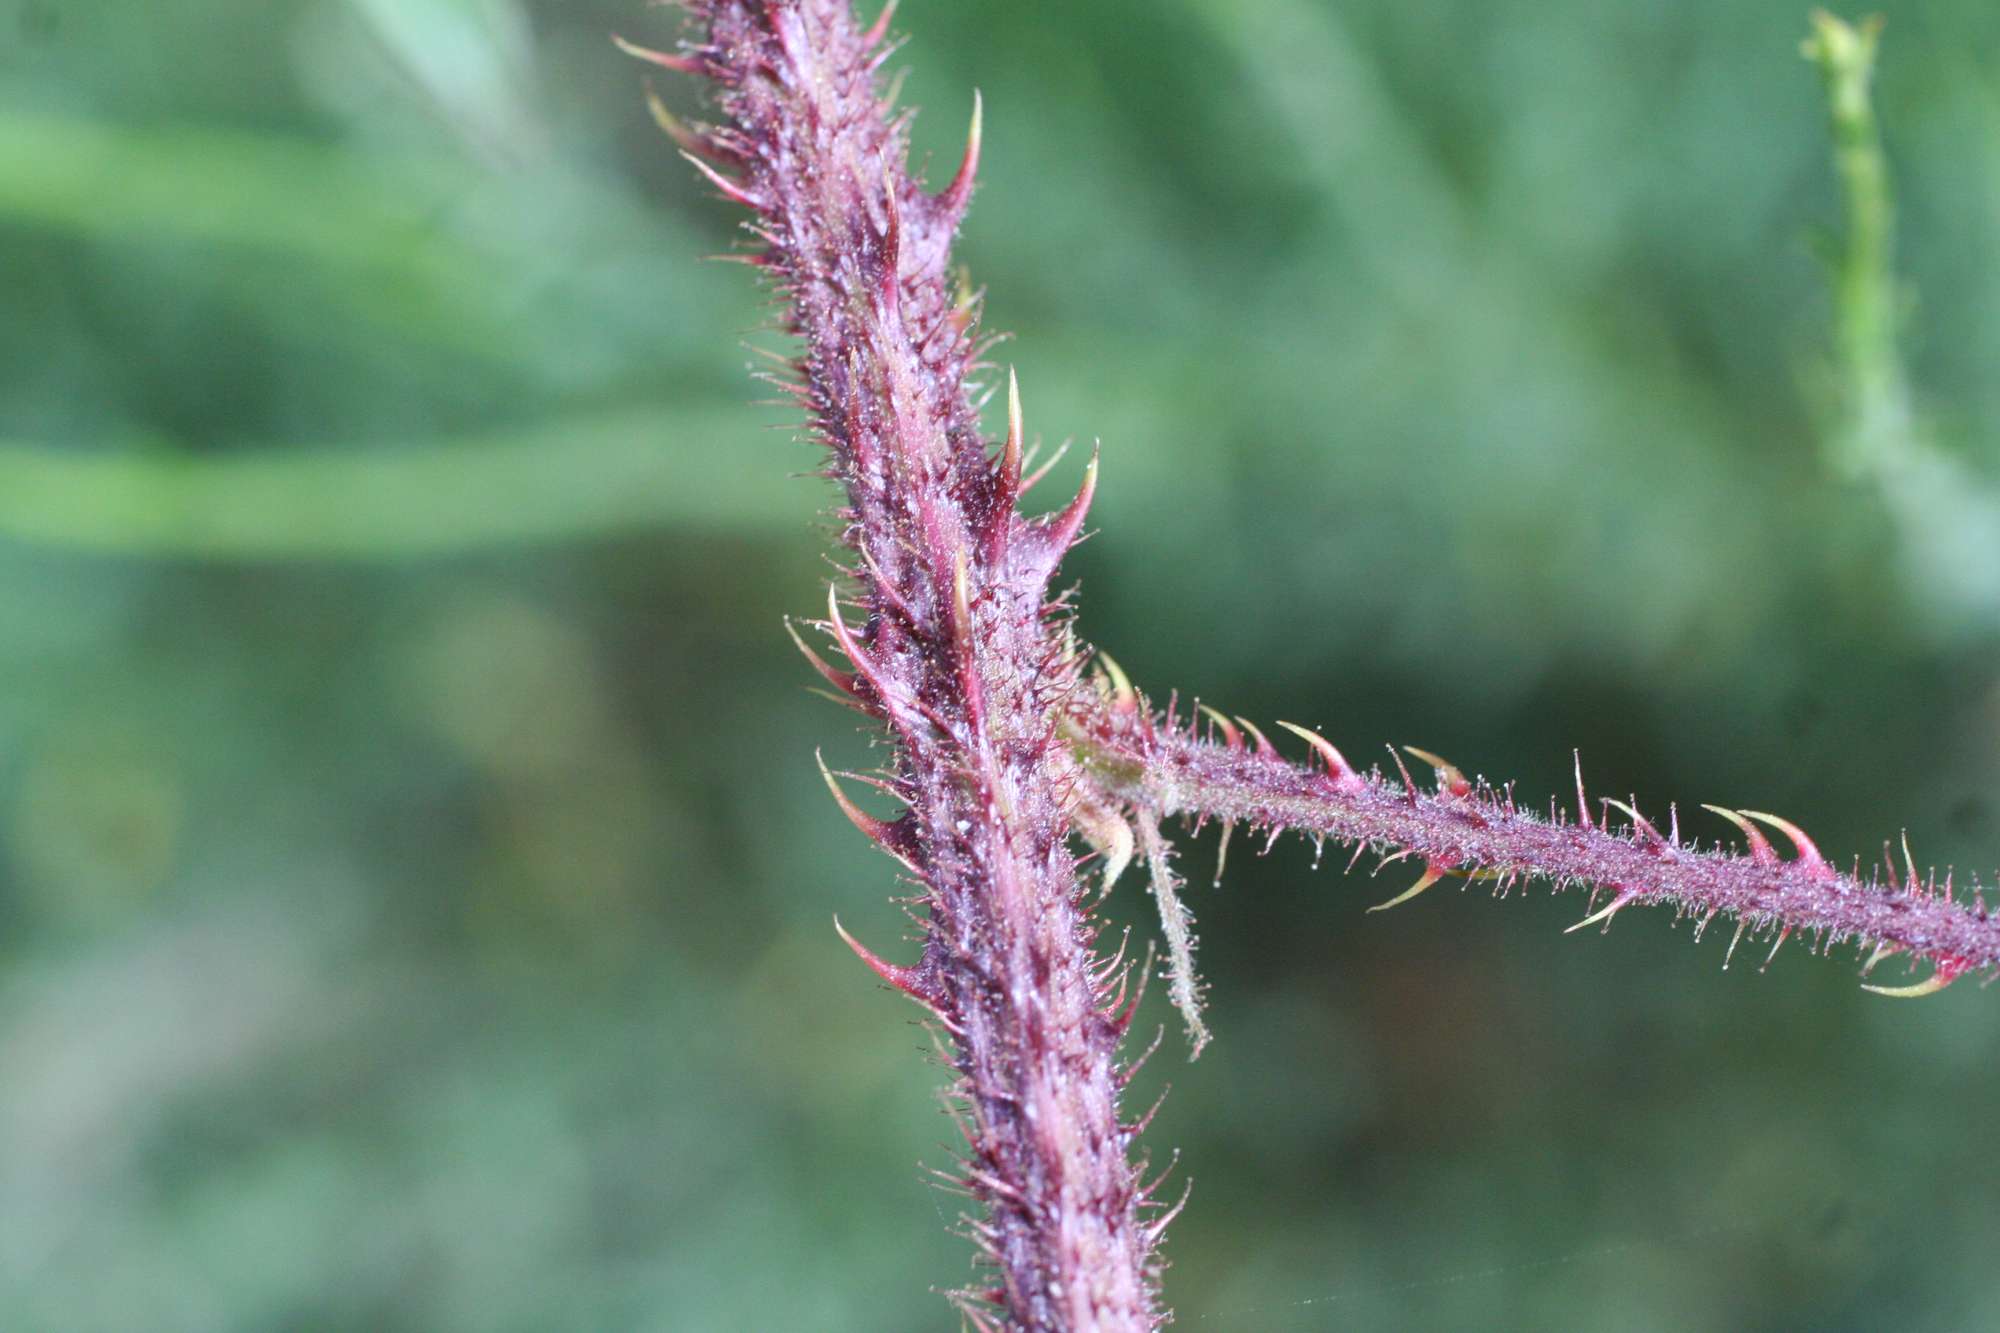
(861, 819)
(1431, 876)
(880, 27)
(1118, 855)
(960, 189)
(1109, 836)
(877, 831)
(1930, 985)
(678, 64)
(730, 189)
(912, 981)
(1808, 851)
(837, 626)
(1231, 737)
(1639, 821)
(1881, 951)
(1761, 850)
(1264, 745)
(1010, 456)
(964, 296)
(1604, 913)
(1122, 693)
(1341, 771)
(672, 126)
(1732, 817)
(840, 680)
(1064, 527)
(1449, 775)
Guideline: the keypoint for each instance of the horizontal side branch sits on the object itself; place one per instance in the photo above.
(1460, 827)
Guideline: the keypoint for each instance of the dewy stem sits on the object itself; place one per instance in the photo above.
(1473, 829)
(961, 651)
(963, 656)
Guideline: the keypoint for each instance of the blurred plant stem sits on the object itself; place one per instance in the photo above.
(576, 479)
(1875, 431)
(212, 183)
(1947, 519)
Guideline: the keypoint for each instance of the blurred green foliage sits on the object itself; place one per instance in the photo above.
(416, 885)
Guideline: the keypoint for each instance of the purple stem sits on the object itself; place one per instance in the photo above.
(961, 651)
(1460, 827)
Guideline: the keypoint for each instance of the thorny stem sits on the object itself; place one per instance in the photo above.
(1461, 827)
(964, 658)
(962, 653)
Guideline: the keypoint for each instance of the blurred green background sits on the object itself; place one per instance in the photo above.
(416, 890)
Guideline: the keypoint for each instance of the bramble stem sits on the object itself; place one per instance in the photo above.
(1475, 829)
(961, 652)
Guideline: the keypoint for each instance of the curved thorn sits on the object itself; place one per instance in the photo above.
(1604, 914)
(1432, 874)
(1449, 775)
(674, 128)
(1910, 862)
(1639, 821)
(885, 591)
(678, 64)
(837, 626)
(1264, 746)
(1117, 856)
(1808, 853)
(1761, 850)
(840, 680)
(1344, 777)
(880, 27)
(909, 980)
(1883, 949)
(1109, 836)
(1123, 696)
(959, 191)
(877, 831)
(1582, 801)
(1231, 737)
(730, 189)
(1931, 985)
(1063, 527)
